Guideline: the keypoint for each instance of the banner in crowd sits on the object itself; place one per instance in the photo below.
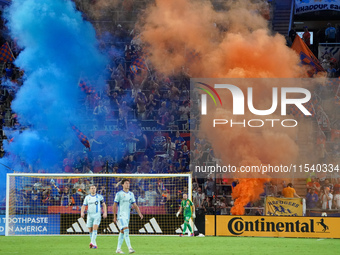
(86, 86)
(303, 6)
(138, 64)
(6, 54)
(306, 55)
(82, 138)
(276, 206)
(332, 51)
(272, 226)
(31, 224)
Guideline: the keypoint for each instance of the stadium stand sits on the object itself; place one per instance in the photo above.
(147, 118)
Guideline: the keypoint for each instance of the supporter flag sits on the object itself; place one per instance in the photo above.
(138, 64)
(275, 206)
(306, 55)
(85, 86)
(134, 69)
(82, 138)
(6, 54)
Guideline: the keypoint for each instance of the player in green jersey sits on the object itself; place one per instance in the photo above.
(188, 212)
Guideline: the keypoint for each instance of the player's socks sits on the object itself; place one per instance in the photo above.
(91, 245)
(120, 240)
(127, 238)
(190, 229)
(185, 228)
(94, 237)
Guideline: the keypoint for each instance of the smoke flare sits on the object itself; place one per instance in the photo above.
(54, 38)
(234, 43)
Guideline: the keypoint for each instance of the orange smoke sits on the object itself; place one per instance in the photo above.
(236, 43)
(242, 146)
(247, 190)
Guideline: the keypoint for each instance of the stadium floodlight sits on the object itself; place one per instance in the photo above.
(50, 204)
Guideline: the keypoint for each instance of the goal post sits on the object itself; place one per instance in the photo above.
(50, 204)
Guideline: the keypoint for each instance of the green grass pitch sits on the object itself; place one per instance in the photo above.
(144, 245)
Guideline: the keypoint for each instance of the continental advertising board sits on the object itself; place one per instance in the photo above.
(273, 226)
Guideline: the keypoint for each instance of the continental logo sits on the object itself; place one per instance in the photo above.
(237, 226)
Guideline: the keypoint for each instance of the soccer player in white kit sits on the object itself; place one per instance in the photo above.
(94, 202)
(125, 199)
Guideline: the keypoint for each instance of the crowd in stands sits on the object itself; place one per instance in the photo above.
(330, 35)
(210, 197)
(141, 121)
(328, 62)
(11, 79)
(323, 194)
(40, 193)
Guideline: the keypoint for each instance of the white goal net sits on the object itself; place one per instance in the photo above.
(50, 204)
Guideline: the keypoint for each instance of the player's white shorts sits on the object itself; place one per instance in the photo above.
(123, 223)
(93, 219)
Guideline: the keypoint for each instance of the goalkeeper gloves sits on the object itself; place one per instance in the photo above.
(194, 215)
(177, 214)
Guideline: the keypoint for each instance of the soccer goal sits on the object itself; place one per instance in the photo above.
(50, 204)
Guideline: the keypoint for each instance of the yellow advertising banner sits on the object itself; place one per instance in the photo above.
(272, 226)
(276, 206)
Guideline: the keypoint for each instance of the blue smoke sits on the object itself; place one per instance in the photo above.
(58, 48)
